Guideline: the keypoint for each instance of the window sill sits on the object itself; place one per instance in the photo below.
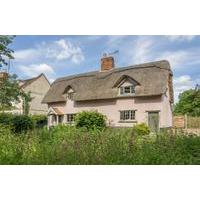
(127, 121)
(126, 95)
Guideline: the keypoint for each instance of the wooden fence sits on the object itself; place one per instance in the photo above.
(186, 122)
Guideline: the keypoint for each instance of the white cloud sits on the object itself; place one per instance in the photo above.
(35, 70)
(181, 58)
(183, 83)
(180, 38)
(56, 50)
(63, 50)
(26, 54)
(142, 51)
(147, 49)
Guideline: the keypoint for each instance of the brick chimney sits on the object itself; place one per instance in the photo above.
(107, 63)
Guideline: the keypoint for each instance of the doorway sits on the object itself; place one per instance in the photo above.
(153, 121)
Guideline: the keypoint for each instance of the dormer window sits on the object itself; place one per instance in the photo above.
(127, 90)
(68, 93)
(126, 85)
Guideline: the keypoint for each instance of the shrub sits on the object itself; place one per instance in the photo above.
(141, 129)
(22, 123)
(18, 123)
(39, 120)
(91, 120)
(6, 119)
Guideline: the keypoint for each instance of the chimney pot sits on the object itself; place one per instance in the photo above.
(107, 63)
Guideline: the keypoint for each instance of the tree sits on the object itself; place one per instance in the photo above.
(5, 51)
(189, 102)
(10, 92)
(26, 100)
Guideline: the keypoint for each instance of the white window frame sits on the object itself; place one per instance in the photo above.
(122, 90)
(71, 117)
(127, 115)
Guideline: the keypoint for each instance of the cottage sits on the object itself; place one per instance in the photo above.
(38, 87)
(128, 95)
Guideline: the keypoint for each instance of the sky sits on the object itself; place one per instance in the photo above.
(58, 56)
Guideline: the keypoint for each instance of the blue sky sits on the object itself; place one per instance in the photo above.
(58, 56)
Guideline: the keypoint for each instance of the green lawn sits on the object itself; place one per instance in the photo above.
(68, 145)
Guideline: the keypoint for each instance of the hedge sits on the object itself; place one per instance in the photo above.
(22, 123)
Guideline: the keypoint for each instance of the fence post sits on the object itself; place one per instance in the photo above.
(186, 121)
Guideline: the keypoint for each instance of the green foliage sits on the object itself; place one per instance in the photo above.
(91, 120)
(26, 102)
(5, 51)
(141, 129)
(22, 123)
(18, 123)
(10, 92)
(6, 119)
(39, 120)
(189, 103)
(69, 145)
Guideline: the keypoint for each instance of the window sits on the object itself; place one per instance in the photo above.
(60, 119)
(127, 90)
(127, 115)
(70, 118)
(70, 95)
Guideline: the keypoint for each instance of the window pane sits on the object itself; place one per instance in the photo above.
(70, 117)
(127, 89)
(132, 89)
(121, 90)
(127, 115)
(132, 114)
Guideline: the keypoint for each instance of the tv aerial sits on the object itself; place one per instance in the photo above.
(110, 54)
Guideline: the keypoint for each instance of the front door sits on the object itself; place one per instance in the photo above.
(153, 121)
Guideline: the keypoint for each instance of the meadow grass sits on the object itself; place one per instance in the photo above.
(68, 145)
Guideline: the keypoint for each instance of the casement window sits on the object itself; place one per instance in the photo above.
(70, 95)
(127, 90)
(70, 118)
(127, 115)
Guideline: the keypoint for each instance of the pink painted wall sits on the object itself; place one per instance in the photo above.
(111, 108)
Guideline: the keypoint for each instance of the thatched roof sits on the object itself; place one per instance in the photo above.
(152, 78)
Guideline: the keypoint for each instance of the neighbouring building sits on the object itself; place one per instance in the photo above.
(38, 87)
(127, 95)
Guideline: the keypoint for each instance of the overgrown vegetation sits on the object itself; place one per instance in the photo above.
(91, 120)
(22, 123)
(141, 129)
(69, 145)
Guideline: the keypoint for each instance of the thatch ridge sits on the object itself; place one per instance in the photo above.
(152, 76)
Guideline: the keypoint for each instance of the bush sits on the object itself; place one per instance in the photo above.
(18, 123)
(91, 120)
(141, 129)
(39, 120)
(22, 123)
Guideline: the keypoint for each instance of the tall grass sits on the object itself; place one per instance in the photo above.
(68, 145)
